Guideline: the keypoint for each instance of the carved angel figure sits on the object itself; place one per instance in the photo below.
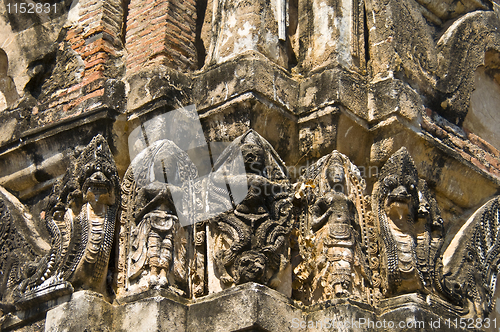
(251, 240)
(340, 263)
(333, 262)
(155, 194)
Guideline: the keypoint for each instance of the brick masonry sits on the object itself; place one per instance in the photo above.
(469, 146)
(161, 33)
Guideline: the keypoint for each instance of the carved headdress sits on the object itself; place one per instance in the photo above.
(322, 173)
(274, 168)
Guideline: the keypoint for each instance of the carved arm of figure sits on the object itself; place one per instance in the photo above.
(320, 211)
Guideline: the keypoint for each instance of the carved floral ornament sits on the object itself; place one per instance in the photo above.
(319, 239)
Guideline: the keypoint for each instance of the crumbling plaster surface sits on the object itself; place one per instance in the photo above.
(350, 78)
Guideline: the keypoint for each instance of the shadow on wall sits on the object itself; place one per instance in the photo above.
(8, 96)
(482, 118)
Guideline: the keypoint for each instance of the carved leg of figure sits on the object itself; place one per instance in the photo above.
(225, 258)
(328, 290)
(165, 259)
(153, 257)
(275, 280)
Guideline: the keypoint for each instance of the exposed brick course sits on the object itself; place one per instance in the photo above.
(473, 149)
(161, 32)
(96, 38)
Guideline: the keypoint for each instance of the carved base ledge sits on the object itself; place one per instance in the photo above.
(237, 309)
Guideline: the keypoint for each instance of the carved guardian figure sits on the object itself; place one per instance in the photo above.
(333, 261)
(251, 239)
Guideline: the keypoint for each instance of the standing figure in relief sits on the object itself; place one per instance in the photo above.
(155, 195)
(333, 262)
(153, 237)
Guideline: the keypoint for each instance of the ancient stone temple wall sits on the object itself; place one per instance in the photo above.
(283, 165)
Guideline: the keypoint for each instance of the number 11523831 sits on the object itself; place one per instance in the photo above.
(31, 8)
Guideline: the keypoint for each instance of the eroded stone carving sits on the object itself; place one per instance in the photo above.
(342, 250)
(156, 193)
(471, 262)
(395, 204)
(331, 34)
(80, 218)
(7, 85)
(333, 262)
(250, 242)
(21, 247)
(429, 232)
(246, 27)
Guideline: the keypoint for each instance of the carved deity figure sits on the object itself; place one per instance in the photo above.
(250, 240)
(80, 217)
(333, 263)
(152, 241)
(340, 260)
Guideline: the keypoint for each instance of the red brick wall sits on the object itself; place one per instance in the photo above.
(95, 37)
(161, 32)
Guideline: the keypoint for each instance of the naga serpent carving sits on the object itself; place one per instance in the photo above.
(470, 264)
(395, 203)
(411, 241)
(80, 218)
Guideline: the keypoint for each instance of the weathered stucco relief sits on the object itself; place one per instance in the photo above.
(332, 233)
(249, 166)
(250, 242)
